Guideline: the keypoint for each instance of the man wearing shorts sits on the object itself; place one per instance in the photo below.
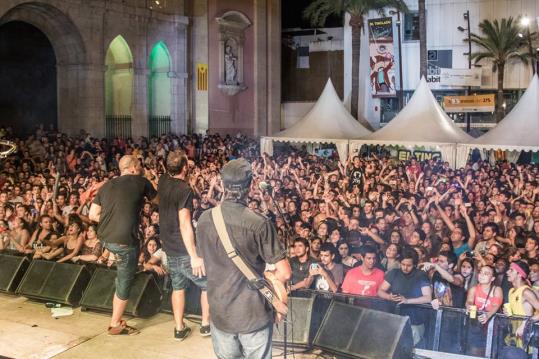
(116, 208)
(178, 238)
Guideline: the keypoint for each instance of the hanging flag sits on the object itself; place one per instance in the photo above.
(382, 59)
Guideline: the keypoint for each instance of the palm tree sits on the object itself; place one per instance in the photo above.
(499, 43)
(422, 38)
(319, 10)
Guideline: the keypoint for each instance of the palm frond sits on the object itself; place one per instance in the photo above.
(498, 41)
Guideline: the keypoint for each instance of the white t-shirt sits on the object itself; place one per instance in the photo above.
(160, 253)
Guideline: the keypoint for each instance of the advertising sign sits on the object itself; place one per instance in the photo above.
(420, 155)
(382, 59)
(460, 77)
(474, 103)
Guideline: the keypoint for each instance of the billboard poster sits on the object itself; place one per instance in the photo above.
(473, 103)
(460, 77)
(382, 59)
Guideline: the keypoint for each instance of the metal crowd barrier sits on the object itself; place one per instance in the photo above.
(447, 329)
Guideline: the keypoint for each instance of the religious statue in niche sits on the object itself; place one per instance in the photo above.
(231, 66)
(232, 25)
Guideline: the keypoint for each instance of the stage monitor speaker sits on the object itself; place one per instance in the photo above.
(192, 300)
(364, 333)
(304, 317)
(12, 269)
(144, 298)
(56, 282)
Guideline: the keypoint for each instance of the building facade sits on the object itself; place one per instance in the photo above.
(119, 64)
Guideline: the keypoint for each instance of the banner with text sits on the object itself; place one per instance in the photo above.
(420, 155)
(460, 77)
(474, 103)
(382, 59)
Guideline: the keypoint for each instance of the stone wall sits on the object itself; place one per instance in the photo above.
(80, 32)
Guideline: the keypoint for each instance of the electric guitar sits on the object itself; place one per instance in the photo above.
(279, 299)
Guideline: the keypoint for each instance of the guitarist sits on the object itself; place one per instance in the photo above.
(241, 319)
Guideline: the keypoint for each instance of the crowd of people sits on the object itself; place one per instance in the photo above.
(404, 231)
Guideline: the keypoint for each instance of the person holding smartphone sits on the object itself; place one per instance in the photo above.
(328, 274)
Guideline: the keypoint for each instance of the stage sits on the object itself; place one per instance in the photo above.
(28, 331)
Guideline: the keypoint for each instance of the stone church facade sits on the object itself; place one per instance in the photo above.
(104, 51)
(80, 33)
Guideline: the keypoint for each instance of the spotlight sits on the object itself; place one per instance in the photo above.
(525, 21)
(520, 35)
(465, 16)
(461, 29)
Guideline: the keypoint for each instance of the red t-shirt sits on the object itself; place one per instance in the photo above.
(356, 282)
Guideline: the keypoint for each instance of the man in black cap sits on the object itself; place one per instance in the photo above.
(241, 320)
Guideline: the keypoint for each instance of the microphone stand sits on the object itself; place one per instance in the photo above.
(269, 191)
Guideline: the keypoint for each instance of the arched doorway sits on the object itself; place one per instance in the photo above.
(159, 90)
(62, 35)
(28, 88)
(118, 88)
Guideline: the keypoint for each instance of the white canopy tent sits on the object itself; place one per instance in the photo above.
(327, 122)
(518, 131)
(421, 123)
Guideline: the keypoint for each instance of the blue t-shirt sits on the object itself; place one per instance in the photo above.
(464, 248)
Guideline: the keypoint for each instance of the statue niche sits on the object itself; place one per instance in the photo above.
(232, 25)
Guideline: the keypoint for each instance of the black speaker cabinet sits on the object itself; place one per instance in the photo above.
(56, 282)
(357, 332)
(192, 300)
(12, 269)
(144, 298)
(302, 321)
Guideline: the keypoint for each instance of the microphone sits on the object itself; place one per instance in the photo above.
(264, 186)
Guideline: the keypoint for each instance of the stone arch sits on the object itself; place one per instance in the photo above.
(160, 95)
(118, 78)
(71, 58)
(159, 90)
(57, 26)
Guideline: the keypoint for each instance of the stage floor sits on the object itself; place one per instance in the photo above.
(27, 330)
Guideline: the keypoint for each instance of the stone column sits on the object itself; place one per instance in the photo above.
(139, 113)
(274, 67)
(179, 83)
(81, 98)
(260, 67)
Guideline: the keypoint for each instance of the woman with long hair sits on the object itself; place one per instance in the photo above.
(18, 238)
(487, 298)
(344, 251)
(391, 257)
(92, 248)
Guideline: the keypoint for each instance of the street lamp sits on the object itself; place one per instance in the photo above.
(525, 22)
(401, 89)
(466, 16)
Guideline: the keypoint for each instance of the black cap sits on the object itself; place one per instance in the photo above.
(236, 174)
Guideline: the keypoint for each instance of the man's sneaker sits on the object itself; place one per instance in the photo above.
(182, 334)
(123, 329)
(205, 331)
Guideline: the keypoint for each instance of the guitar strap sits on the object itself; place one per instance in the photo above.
(238, 261)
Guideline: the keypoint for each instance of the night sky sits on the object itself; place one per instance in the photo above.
(292, 15)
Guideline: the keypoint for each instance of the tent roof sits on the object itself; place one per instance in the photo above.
(518, 130)
(328, 119)
(422, 121)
